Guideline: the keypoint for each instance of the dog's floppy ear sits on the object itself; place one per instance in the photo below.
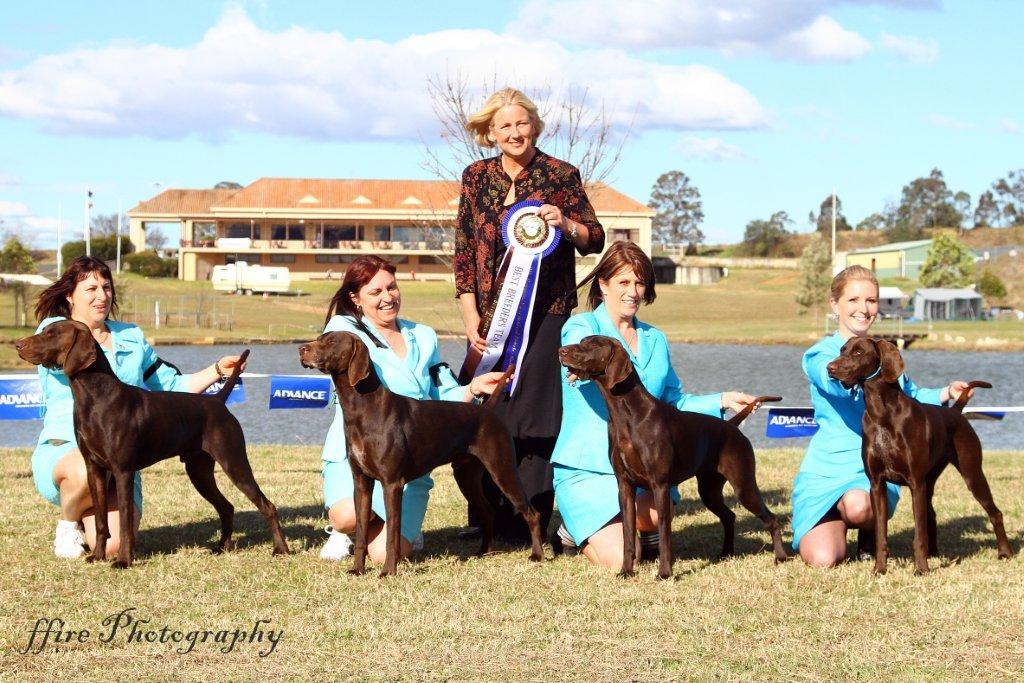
(619, 365)
(889, 359)
(79, 352)
(358, 361)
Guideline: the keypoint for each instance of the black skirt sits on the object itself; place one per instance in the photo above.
(534, 411)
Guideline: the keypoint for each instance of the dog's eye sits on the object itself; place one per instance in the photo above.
(857, 352)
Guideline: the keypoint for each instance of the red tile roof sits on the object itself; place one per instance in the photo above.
(331, 194)
(184, 202)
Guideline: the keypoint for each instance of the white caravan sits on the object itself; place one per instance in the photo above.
(241, 277)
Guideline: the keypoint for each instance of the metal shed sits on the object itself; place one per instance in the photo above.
(947, 304)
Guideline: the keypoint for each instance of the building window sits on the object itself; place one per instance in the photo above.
(204, 234)
(327, 258)
(408, 235)
(335, 235)
(239, 230)
(380, 233)
(253, 259)
(282, 258)
(287, 232)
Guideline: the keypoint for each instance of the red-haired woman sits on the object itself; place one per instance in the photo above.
(407, 360)
(85, 292)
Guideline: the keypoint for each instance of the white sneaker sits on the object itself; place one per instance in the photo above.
(337, 547)
(68, 540)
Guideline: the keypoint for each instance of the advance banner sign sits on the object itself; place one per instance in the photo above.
(237, 394)
(21, 398)
(784, 423)
(299, 391)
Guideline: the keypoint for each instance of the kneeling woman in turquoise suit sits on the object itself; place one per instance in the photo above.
(408, 362)
(85, 292)
(830, 492)
(585, 489)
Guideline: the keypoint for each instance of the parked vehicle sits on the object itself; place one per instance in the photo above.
(243, 278)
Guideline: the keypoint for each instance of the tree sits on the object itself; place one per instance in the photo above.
(155, 239)
(105, 225)
(227, 185)
(15, 257)
(762, 236)
(987, 213)
(815, 274)
(949, 263)
(104, 248)
(962, 205)
(990, 286)
(876, 221)
(677, 207)
(823, 221)
(925, 203)
(1010, 197)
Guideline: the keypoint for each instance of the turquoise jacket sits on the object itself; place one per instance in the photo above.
(409, 376)
(583, 438)
(131, 358)
(835, 448)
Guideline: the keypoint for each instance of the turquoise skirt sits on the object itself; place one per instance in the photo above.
(588, 500)
(338, 485)
(815, 494)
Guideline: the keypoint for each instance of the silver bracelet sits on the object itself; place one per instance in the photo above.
(575, 230)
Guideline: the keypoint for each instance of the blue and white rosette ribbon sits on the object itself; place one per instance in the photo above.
(529, 239)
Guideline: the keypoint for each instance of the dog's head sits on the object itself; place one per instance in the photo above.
(598, 358)
(337, 353)
(64, 345)
(862, 358)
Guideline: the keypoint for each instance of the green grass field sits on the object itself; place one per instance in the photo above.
(749, 306)
(450, 616)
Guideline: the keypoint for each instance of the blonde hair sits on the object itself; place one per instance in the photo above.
(849, 274)
(479, 123)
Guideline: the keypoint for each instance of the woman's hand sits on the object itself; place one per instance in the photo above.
(953, 391)
(485, 383)
(553, 216)
(737, 400)
(472, 320)
(227, 364)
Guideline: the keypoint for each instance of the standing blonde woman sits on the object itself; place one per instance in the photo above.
(490, 188)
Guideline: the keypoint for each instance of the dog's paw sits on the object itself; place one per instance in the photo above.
(119, 564)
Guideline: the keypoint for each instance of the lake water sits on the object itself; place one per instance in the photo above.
(703, 368)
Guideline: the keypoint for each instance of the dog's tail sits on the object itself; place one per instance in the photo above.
(962, 399)
(749, 408)
(233, 379)
(499, 388)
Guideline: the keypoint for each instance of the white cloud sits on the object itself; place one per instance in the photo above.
(823, 40)
(13, 209)
(951, 123)
(797, 29)
(18, 219)
(911, 49)
(321, 85)
(9, 180)
(711, 149)
(1009, 126)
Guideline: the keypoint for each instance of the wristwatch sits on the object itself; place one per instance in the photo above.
(575, 230)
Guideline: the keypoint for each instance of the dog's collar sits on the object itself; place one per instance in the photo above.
(874, 374)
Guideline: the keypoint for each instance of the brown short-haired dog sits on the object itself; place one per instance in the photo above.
(394, 439)
(656, 446)
(910, 444)
(121, 429)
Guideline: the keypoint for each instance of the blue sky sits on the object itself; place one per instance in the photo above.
(767, 105)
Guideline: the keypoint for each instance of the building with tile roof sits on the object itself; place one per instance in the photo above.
(315, 227)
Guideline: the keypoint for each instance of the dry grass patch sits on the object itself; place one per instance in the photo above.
(450, 616)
